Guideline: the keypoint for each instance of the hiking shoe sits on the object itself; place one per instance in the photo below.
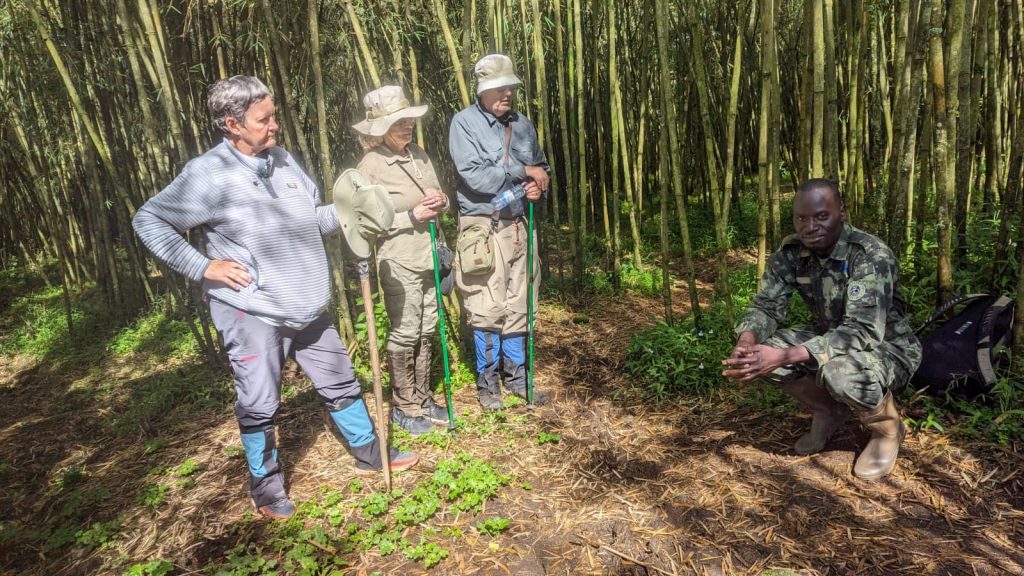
(278, 510)
(415, 425)
(491, 402)
(437, 413)
(399, 461)
(539, 398)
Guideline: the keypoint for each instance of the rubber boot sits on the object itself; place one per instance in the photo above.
(887, 431)
(488, 356)
(827, 415)
(434, 411)
(266, 483)
(353, 421)
(405, 392)
(513, 350)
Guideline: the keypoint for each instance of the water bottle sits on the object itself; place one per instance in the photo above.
(506, 197)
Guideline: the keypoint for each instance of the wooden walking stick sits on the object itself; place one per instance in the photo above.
(371, 331)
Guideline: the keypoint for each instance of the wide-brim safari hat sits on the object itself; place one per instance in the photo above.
(495, 71)
(364, 211)
(385, 106)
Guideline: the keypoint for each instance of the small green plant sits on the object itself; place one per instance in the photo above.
(383, 325)
(59, 537)
(493, 526)
(157, 567)
(79, 502)
(646, 280)
(99, 534)
(682, 357)
(438, 438)
(932, 419)
(246, 560)
(462, 375)
(375, 504)
(467, 482)
(155, 334)
(547, 437)
(188, 468)
(153, 496)
(429, 552)
(422, 503)
(314, 540)
(9, 532)
(68, 479)
(513, 401)
(154, 445)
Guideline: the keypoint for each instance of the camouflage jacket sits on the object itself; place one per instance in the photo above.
(853, 296)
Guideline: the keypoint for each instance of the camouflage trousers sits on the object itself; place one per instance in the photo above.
(858, 379)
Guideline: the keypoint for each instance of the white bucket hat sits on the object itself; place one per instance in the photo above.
(495, 71)
(363, 210)
(384, 106)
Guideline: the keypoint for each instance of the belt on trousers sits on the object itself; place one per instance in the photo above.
(498, 223)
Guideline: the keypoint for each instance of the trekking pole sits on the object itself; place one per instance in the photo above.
(529, 310)
(444, 340)
(371, 331)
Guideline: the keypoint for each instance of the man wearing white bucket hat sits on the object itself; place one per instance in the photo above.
(501, 168)
(265, 275)
(404, 259)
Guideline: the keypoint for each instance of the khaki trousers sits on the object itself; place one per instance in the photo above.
(411, 303)
(497, 301)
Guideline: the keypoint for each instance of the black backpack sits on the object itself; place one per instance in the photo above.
(962, 356)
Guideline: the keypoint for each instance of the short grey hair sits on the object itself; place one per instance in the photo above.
(232, 97)
(370, 142)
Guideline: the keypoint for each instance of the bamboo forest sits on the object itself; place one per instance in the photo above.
(686, 141)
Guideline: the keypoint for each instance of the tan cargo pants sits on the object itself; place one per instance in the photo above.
(497, 301)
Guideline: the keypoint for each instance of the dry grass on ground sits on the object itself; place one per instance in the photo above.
(687, 486)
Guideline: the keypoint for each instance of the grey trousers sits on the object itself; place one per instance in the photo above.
(858, 379)
(258, 350)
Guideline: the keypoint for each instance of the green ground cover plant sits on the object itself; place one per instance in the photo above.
(316, 539)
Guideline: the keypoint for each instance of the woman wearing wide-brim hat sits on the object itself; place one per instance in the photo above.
(404, 260)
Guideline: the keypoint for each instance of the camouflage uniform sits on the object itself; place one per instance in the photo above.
(861, 344)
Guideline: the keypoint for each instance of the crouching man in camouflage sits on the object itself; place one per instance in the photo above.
(860, 347)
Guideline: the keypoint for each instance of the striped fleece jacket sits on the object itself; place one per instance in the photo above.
(261, 213)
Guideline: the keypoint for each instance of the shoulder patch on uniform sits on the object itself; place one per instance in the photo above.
(855, 291)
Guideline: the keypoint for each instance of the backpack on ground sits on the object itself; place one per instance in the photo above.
(964, 354)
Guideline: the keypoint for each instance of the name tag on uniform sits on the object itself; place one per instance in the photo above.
(803, 279)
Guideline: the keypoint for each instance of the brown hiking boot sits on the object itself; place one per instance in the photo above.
(828, 415)
(887, 431)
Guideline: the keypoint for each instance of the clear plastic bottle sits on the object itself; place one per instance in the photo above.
(506, 197)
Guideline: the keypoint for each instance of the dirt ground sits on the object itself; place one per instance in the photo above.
(686, 486)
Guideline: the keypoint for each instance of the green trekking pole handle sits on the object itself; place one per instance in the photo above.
(529, 310)
(444, 340)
